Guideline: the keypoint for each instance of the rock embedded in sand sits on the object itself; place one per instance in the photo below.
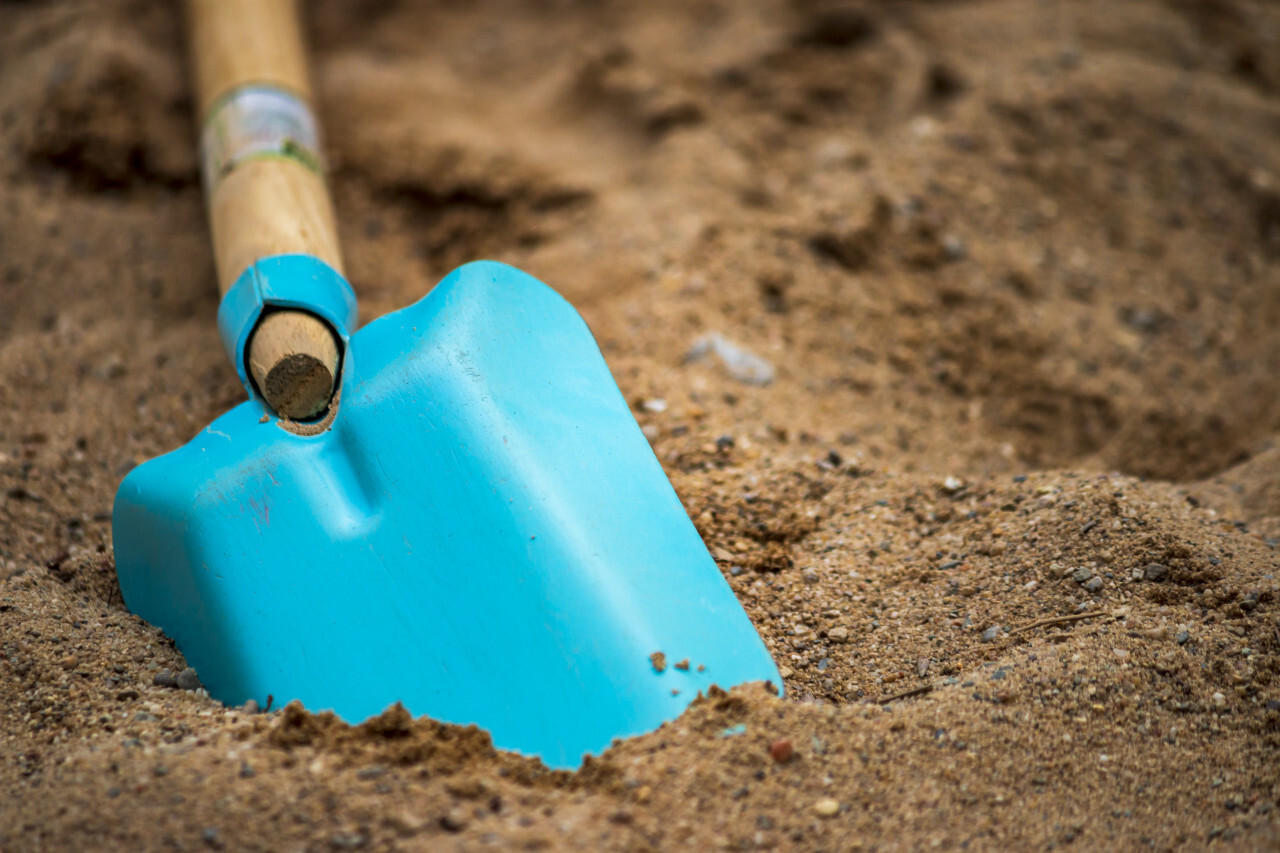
(838, 635)
(164, 678)
(1155, 572)
(826, 807)
(739, 362)
(188, 680)
(782, 750)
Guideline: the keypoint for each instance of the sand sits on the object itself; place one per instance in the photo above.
(1015, 268)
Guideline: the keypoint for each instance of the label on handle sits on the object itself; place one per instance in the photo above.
(258, 122)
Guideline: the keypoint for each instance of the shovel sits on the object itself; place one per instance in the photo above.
(452, 508)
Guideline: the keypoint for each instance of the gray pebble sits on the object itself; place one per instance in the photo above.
(1081, 575)
(164, 678)
(991, 633)
(188, 680)
(739, 362)
(1094, 584)
(1156, 572)
(998, 675)
(1182, 637)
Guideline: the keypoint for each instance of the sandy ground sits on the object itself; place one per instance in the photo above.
(1016, 266)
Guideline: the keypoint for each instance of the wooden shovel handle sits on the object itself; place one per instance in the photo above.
(261, 203)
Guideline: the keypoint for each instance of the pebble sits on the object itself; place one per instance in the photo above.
(1081, 575)
(1155, 572)
(826, 807)
(1094, 585)
(165, 678)
(188, 680)
(1182, 637)
(990, 634)
(840, 635)
(251, 706)
(809, 576)
(782, 750)
(1219, 699)
(739, 362)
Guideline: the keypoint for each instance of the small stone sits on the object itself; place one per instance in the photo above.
(246, 770)
(782, 750)
(1219, 699)
(809, 576)
(1122, 654)
(188, 680)
(1094, 585)
(838, 634)
(739, 362)
(655, 405)
(211, 836)
(1182, 637)
(999, 675)
(373, 771)
(1081, 575)
(455, 820)
(164, 678)
(127, 695)
(990, 634)
(1137, 574)
(735, 571)
(826, 807)
(951, 485)
(922, 666)
(953, 246)
(1155, 572)
(251, 707)
(786, 671)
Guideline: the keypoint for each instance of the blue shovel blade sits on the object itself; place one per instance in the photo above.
(483, 534)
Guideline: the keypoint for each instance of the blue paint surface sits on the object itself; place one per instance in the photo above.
(483, 534)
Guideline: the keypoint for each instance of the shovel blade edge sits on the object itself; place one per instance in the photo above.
(482, 534)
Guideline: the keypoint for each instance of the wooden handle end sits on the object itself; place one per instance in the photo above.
(293, 357)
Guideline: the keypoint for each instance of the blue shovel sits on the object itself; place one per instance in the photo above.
(452, 508)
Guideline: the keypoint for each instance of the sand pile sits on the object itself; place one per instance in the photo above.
(996, 480)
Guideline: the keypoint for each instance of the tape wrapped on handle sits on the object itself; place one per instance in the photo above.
(258, 122)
